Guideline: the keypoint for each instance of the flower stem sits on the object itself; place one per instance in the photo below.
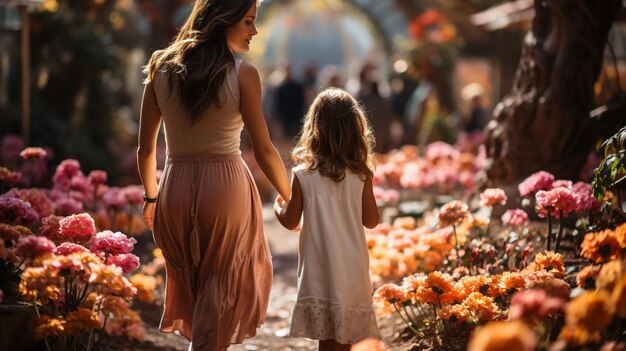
(456, 247)
(549, 240)
(408, 322)
(558, 235)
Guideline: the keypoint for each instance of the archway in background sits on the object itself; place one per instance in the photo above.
(342, 33)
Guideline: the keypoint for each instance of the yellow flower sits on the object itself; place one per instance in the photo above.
(145, 285)
(79, 320)
(40, 283)
(503, 336)
(586, 317)
(48, 327)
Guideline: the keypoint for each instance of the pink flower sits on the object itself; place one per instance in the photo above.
(34, 246)
(440, 150)
(538, 181)
(584, 199)
(67, 248)
(133, 194)
(127, 262)
(37, 199)
(64, 173)
(562, 184)
(515, 217)
(492, 196)
(555, 200)
(80, 183)
(114, 197)
(50, 227)
(33, 153)
(97, 177)
(107, 242)
(452, 213)
(16, 211)
(534, 304)
(79, 227)
(66, 206)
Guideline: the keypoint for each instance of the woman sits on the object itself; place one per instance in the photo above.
(206, 210)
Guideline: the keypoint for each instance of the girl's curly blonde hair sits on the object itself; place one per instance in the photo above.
(336, 136)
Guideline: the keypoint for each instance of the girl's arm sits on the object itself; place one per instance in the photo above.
(252, 112)
(370, 210)
(289, 213)
(149, 122)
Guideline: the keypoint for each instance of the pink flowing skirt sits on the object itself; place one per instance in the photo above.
(208, 223)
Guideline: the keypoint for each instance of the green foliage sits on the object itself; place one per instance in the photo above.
(613, 167)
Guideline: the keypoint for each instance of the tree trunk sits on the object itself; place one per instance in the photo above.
(543, 123)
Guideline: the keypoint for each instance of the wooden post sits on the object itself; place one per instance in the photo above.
(25, 43)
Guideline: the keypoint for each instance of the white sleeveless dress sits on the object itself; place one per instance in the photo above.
(334, 287)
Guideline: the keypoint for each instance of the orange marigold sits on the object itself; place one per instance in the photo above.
(586, 278)
(498, 336)
(390, 293)
(511, 282)
(470, 284)
(79, 320)
(600, 247)
(620, 234)
(482, 307)
(586, 317)
(145, 285)
(48, 327)
(610, 273)
(457, 314)
(618, 297)
(549, 262)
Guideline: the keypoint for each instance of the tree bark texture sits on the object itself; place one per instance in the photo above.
(544, 123)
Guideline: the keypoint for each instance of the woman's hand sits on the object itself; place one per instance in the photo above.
(148, 214)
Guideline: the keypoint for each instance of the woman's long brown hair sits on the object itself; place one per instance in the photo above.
(336, 136)
(197, 61)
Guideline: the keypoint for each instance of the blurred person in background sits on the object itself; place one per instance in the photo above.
(206, 211)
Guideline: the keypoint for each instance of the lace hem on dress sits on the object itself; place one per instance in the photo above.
(321, 320)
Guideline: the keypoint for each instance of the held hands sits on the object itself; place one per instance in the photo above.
(148, 214)
(280, 207)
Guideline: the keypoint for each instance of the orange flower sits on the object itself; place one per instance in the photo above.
(619, 297)
(48, 327)
(452, 213)
(370, 345)
(438, 288)
(40, 283)
(498, 336)
(586, 317)
(511, 282)
(620, 234)
(549, 262)
(470, 284)
(586, 278)
(610, 273)
(482, 307)
(600, 247)
(458, 314)
(145, 285)
(390, 293)
(114, 306)
(79, 320)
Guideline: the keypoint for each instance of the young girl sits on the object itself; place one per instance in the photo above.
(332, 191)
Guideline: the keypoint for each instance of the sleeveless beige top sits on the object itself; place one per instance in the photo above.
(218, 131)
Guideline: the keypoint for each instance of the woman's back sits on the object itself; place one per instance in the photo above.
(218, 131)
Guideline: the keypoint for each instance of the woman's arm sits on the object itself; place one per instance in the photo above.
(252, 112)
(370, 210)
(289, 213)
(149, 122)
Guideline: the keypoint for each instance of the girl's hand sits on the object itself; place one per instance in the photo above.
(279, 206)
(148, 214)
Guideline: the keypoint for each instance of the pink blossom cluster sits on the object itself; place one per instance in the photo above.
(114, 197)
(515, 217)
(97, 177)
(17, 211)
(33, 153)
(389, 195)
(492, 196)
(127, 262)
(67, 205)
(562, 183)
(440, 150)
(109, 243)
(78, 227)
(538, 181)
(37, 199)
(452, 213)
(555, 201)
(585, 201)
(34, 246)
(64, 173)
(67, 248)
(133, 194)
(534, 304)
(50, 228)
